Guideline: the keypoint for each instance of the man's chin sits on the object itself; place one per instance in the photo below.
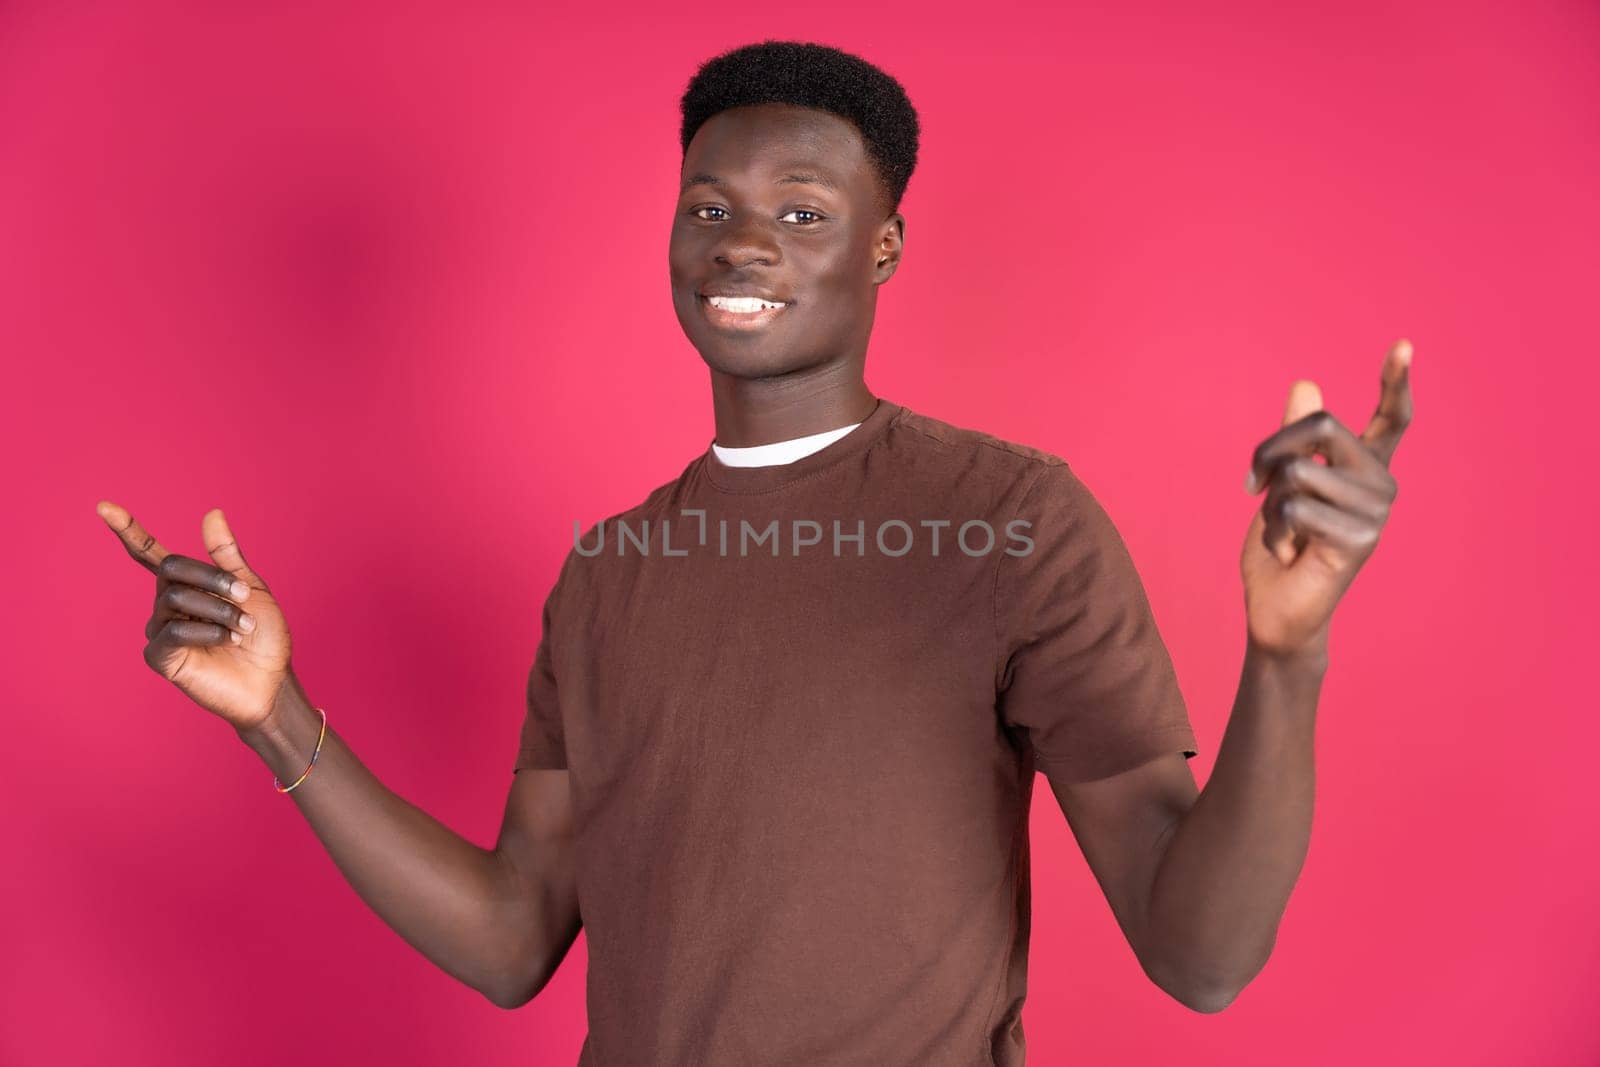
(756, 356)
(751, 363)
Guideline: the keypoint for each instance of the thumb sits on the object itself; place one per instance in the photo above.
(1304, 398)
(224, 549)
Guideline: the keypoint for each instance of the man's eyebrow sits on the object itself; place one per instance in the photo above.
(787, 179)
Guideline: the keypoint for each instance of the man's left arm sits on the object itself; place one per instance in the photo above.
(1199, 879)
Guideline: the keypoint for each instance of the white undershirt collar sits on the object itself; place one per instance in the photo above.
(777, 452)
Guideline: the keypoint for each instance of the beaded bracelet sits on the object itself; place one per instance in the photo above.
(314, 754)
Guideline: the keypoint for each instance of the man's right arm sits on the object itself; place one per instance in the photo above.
(500, 921)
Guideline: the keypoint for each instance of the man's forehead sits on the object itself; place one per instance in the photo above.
(777, 136)
(831, 166)
(795, 171)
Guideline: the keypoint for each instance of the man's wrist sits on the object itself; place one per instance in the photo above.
(287, 737)
(1310, 661)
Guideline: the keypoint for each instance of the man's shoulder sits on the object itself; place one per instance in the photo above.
(655, 503)
(967, 446)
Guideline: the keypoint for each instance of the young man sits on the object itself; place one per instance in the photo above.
(785, 713)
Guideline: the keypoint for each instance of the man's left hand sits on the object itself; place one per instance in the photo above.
(1319, 522)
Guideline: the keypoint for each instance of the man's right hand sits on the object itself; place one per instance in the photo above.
(216, 632)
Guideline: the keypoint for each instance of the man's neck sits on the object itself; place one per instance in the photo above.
(756, 413)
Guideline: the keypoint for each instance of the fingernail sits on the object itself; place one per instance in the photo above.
(247, 623)
(239, 590)
(1250, 481)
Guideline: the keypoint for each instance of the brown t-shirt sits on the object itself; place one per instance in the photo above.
(801, 763)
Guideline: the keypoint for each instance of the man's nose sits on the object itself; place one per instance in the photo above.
(746, 240)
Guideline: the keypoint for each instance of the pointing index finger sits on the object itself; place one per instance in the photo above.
(144, 548)
(1393, 415)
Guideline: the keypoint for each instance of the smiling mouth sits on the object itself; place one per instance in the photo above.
(739, 313)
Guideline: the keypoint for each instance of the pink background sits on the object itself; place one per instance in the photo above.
(391, 289)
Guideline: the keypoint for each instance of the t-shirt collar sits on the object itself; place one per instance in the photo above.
(767, 478)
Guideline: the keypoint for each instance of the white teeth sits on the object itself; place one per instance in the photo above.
(741, 303)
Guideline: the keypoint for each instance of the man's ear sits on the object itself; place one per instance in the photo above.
(891, 245)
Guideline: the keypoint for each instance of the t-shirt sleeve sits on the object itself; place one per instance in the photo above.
(1082, 671)
(543, 745)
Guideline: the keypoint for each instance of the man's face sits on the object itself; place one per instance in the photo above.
(821, 251)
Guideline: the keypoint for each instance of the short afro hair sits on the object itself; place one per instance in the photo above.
(814, 76)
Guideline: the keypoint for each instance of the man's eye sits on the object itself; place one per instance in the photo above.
(815, 216)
